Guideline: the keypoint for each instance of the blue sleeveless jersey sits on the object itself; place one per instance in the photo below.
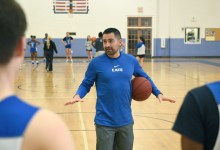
(33, 46)
(15, 116)
(68, 41)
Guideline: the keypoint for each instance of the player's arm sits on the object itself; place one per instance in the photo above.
(85, 86)
(138, 71)
(45, 46)
(162, 97)
(64, 41)
(188, 144)
(138, 45)
(47, 131)
(72, 39)
(54, 47)
(29, 43)
(76, 98)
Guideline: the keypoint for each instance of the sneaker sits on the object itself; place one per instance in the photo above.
(67, 61)
(37, 62)
(71, 60)
(32, 62)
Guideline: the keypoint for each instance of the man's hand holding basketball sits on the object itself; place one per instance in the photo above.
(161, 97)
(75, 99)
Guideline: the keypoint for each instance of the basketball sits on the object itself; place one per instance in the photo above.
(141, 89)
(93, 39)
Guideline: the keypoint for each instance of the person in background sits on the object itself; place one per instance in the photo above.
(88, 45)
(33, 49)
(67, 42)
(198, 119)
(44, 41)
(23, 126)
(98, 45)
(140, 47)
(49, 48)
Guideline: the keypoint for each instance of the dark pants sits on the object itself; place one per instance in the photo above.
(49, 60)
(120, 138)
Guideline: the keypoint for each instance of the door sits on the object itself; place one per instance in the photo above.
(139, 26)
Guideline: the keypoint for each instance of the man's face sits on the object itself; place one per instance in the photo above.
(111, 44)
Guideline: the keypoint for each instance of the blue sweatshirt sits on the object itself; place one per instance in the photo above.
(112, 77)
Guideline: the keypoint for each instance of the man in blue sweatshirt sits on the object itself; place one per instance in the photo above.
(112, 73)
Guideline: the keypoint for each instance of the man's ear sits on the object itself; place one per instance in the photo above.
(120, 42)
(19, 50)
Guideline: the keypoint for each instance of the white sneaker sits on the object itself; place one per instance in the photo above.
(66, 60)
(37, 62)
(71, 60)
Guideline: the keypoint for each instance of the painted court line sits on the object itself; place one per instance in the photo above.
(81, 120)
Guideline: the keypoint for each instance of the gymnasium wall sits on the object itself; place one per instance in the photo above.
(170, 17)
(175, 15)
(102, 14)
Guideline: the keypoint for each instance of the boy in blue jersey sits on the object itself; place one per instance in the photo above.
(23, 126)
(67, 42)
(33, 48)
(112, 73)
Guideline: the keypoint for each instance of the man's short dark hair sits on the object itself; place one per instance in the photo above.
(12, 27)
(113, 30)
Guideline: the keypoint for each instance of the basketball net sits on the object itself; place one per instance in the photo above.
(70, 14)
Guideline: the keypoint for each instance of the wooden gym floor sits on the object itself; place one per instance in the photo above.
(153, 120)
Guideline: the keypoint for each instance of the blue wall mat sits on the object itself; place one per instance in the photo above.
(78, 48)
(176, 47)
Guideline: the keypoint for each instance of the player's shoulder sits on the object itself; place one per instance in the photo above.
(45, 122)
(201, 95)
(49, 130)
(201, 90)
(47, 116)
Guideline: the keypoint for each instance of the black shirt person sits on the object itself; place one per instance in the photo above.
(49, 48)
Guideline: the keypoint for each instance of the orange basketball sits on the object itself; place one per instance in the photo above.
(93, 39)
(141, 89)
